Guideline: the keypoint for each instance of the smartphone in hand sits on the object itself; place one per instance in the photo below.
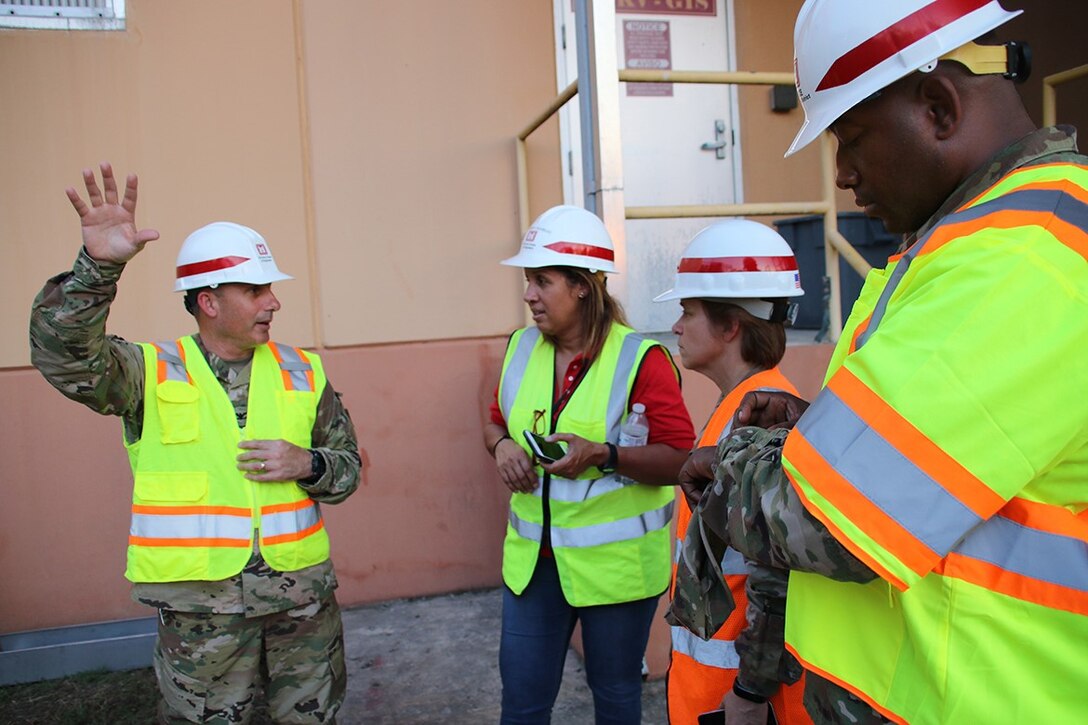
(545, 450)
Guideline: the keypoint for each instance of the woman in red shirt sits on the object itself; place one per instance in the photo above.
(588, 539)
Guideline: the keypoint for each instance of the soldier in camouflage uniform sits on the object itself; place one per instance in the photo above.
(218, 640)
(746, 499)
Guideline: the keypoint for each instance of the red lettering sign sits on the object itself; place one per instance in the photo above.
(668, 7)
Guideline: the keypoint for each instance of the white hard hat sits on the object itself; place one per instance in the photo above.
(847, 50)
(223, 252)
(566, 236)
(737, 261)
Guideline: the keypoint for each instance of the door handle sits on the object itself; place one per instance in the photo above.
(719, 142)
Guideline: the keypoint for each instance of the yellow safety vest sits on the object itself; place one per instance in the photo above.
(193, 512)
(949, 451)
(609, 535)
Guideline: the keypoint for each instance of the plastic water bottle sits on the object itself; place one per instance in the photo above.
(635, 431)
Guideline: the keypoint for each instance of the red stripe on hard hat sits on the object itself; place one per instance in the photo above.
(582, 250)
(888, 42)
(210, 265)
(737, 264)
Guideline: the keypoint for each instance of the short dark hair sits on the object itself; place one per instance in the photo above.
(190, 300)
(762, 343)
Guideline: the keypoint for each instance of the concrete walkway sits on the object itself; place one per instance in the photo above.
(436, 660)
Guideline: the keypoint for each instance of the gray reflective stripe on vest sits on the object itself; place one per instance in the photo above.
(720, 653)
(515, 371)
(1061, 204)
(169, 353)
(611, 532)
(1041, 555)
(295, 367)
(617, 397)
(733, 562)
(882, 474)
(191, 526)
(581, 489)
(290, 522)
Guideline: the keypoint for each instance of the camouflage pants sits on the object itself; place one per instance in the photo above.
(210, 666)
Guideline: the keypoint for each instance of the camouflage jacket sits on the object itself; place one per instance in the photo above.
(766, 520)
(70, 347)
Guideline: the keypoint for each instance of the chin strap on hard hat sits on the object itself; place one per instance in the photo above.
(1011, 60)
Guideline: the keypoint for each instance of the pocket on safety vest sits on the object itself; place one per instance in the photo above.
(179, 411)
(591, 430)
(297, 411)
(170, 486)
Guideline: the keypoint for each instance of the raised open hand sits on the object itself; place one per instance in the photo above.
(109, 228)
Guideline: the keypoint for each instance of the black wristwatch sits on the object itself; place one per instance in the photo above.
(747, 694)
(609, 466)
(317, 468)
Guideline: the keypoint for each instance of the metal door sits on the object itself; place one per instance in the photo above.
(677, 139)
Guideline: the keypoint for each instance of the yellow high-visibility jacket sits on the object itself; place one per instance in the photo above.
(949, 452)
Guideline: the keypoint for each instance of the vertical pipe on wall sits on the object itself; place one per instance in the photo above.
(307, 176)
(599, 106)
(831, 252)
(583, 40)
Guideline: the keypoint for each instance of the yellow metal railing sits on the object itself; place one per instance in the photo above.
(835, 244)
(1050, 96)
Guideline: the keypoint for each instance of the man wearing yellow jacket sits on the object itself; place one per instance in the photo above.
(233, 441)
(931, 502)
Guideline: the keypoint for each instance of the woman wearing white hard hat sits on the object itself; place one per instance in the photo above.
(734, 282)
(588, 534)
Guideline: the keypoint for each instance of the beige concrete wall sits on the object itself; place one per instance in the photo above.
(413, 108)
(199, 98)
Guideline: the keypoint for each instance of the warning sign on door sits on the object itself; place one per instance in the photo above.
(646, 46)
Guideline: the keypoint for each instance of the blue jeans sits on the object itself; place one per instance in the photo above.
(536, 630)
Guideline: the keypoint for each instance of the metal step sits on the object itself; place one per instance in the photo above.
(45, 654)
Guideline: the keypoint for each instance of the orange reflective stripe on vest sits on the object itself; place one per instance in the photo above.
(298, 373)
(281, 523)
(190, 526)
(171, 362)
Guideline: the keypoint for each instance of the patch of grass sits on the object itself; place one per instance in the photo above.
(90, 698)
(93, 698)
